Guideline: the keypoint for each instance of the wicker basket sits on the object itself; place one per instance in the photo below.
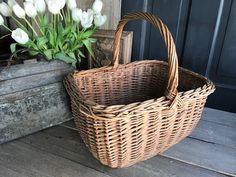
(131, 112)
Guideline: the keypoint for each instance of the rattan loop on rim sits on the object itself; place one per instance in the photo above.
(171, 90)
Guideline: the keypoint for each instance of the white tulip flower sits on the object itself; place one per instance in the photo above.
(76, 14)
(5, 9)
(71, 4)
(11, 3)
(97, 6)
(19, 11)
(54, 6)
(30, 10)
(87, 19)
(1, 20)
(40, 6)
(62, 3)
(99, 20)
(20, 36)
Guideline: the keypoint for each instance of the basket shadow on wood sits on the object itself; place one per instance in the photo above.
(129, 113)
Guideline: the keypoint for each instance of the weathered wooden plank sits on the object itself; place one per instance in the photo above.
(67, 143)
(29, 161)
(218, 116)
(215, 133)
(103, 48)
(21, 70)
(223, 161)
(212, 156)
(5, 172)
(32, 81)
(28, 111)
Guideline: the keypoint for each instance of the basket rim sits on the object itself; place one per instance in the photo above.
(207, 86)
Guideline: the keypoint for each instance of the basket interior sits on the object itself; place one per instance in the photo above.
(131, 83)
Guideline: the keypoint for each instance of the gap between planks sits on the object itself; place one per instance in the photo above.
(174, 158)
(66, 143)
(30, 161)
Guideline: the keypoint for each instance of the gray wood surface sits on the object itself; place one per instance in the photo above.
(215, 133)
(60, 151)
(220, 117)
(211, 156)
(67, 143)
(31, 162)
(32, 81)
(32, 97)
(31, 110)
(211, 145)
(21, 70)
(6, 172)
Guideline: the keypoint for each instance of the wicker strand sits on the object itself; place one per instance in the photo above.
(122, 113)
(171, 90)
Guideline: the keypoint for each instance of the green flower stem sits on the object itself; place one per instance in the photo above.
(68, 11)
(31, 27)
(78, 29)
(39, 17)
(69, 16)
(38, 26)
(6, 27)
(63, 14)
(55, 26)
(20, 24)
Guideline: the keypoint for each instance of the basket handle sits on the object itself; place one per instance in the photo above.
(171, 90)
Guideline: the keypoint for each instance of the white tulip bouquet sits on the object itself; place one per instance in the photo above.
(58, 33)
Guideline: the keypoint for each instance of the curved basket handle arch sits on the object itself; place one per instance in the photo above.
(171, 89)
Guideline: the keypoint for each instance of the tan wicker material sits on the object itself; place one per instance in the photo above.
(131, 112)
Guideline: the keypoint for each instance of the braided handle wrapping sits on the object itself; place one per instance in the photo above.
(171, 90)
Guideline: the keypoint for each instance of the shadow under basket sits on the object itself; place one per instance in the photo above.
(131, 112)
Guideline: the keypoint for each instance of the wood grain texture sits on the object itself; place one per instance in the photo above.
(31, 162)
(32, 97)
(212, 156)
(32, 110)
(67, 143)
(23, 70)
(33, 81)
(6, 172)
(212, 144)
(103, 48)
(220, 117)
(215, 133)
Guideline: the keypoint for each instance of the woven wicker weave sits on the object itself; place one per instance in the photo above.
(129, 113)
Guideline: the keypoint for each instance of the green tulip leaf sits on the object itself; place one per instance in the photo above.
(48, 54)
(41, 41)
(72, 55)
(86, 34)
(13, 47)
(65, 58)
(88, 46)
(80, 54)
